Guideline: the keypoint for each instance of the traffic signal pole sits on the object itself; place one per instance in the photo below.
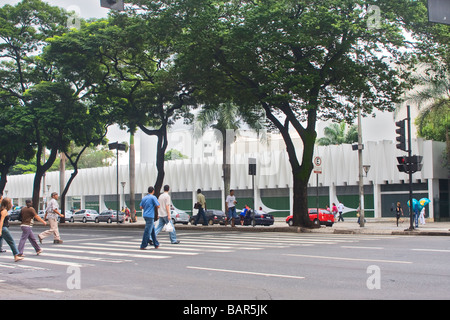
(410, 172)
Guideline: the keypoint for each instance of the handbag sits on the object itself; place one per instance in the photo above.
(197, 205)
(168, 227)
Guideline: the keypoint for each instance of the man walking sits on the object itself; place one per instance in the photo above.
(201, 201)
(341, 211)
(52, 213)
(148, 205)
(164, 215)
(230, 207)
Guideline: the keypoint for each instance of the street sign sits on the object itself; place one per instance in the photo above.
(317, 165)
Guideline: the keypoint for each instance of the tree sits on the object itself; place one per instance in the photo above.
(336, 134)
(434, 102)
(23, 30)
(132, 74)
(226, 118)
(296, 60)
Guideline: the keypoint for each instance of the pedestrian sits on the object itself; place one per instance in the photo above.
(51, 214)
(1, 239)
(422, 216)
(341, 211)
(148, 204)
(5, 206)
(243, 214)
(398, 211)
(334, 210)
(28, 214)
(201, 206)
(230, 207)
(164, 215)
(416, 216)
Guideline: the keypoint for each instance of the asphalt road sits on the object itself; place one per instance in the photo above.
(232, 266)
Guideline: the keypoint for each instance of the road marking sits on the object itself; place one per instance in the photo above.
(50, 290)
(348, 259)
(431, 250)
(356, 247)
(145, 256)
(57, 255)
(20, 265)
(158, 251)
(56, 262)
(246, 272)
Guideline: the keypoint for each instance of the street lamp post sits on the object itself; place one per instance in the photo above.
(123, 183)
(117, 146)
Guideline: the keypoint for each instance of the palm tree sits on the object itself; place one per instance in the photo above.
(223, 117)
(434, 121)
(336, 134)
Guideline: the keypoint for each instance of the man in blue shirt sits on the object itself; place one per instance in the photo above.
(148, 204)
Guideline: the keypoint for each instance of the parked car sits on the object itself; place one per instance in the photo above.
(67, 215)
(213, 216)
(84, 215)
(14, 214)
(179, 216)
(325, 217)
(257, 217)
(109, 216)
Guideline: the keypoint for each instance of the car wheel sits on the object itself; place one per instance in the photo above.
(291, 222)
(71, 220)
(316, 222)
(210, 222)
(84, 220)
(96, 220)
(109, 220)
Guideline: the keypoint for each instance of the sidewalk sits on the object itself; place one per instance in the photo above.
(383, 226)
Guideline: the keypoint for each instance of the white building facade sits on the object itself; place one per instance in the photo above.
(96, 188)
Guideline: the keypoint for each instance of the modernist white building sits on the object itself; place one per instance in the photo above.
(384, 184)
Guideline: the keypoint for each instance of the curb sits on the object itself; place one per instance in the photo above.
(286, 229)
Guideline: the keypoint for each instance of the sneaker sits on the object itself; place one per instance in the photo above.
(176, 242)
(57, 241)
(38, 252)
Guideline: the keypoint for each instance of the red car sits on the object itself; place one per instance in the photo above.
(325, 217)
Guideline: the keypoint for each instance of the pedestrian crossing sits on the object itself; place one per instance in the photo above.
(91, 251)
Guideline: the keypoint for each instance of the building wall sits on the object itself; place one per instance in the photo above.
(96, 187)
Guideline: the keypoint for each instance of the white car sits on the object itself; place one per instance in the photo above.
(84, 215)
(179, 216)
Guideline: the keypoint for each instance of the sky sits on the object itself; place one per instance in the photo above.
(382, 127)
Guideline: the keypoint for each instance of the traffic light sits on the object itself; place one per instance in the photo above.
(113, 4)
(409, 164)
(401, 138)
(415, 163)
(402, 165)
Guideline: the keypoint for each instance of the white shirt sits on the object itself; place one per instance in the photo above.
(52, 205)
(340, 207)
(164, 200)
(230, 201)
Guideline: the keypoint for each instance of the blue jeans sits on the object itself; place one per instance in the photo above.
(149, 231)
(232, 212)
(9, 240)
(162, 222)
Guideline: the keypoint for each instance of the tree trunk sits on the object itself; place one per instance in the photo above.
(160, 151)
(132, 177)
(40, 171)
(62, 176)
